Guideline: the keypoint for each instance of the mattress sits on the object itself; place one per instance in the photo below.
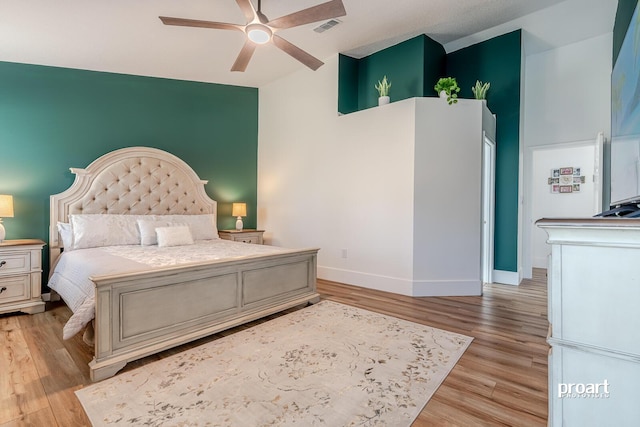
(71, 276)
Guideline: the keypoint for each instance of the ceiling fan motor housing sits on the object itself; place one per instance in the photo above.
(258, 33)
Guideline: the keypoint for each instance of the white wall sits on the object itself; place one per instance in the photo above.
(567, 99)
(546, 204)
(448, 197)
(301, 162)
(568, 92)
(390, 194)
(341, 183)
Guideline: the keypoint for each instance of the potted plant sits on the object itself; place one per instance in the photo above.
(480, 89)
(383, 91)
(447, 87)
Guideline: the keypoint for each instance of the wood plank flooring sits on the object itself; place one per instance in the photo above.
(501, 380)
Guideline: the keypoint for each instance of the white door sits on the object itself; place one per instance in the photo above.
(547, 203)
(488, 207)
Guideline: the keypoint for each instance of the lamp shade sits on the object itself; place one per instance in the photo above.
(6, 206)
(239, 209)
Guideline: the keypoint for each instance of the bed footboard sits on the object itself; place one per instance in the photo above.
(139, 314)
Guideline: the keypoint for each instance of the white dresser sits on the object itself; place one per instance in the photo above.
(594, 317)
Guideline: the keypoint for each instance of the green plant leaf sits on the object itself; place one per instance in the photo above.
(383, 87)
(450, 86)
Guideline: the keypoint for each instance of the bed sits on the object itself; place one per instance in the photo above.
(145, 300)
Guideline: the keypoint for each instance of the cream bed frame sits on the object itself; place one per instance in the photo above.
(138, 314)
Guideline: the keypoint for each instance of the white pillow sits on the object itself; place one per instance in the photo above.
(97, 230)
(66, 234)
(147, 230)
(174, 236)
(203, 227)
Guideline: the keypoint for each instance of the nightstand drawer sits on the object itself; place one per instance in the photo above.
(15, 288)
(17, 262)
(243, 236)
(248, 239)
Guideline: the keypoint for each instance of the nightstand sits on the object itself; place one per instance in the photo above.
(21, 276)
(244, 236)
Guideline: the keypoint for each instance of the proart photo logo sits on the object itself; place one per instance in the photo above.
(583, 390)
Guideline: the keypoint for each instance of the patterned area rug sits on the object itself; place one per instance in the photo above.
(325, 365)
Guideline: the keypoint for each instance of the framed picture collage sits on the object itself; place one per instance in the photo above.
(565, 180)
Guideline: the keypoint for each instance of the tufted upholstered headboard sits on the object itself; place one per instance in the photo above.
(135, 180)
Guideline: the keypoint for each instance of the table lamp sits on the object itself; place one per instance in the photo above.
(239, 210)
(6, 211)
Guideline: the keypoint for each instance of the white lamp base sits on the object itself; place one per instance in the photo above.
(239, 224)
(2, 232)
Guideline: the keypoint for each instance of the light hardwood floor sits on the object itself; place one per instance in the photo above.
(500, 380)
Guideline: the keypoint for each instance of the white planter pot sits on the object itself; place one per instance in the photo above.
(384, 100)
(443, 95)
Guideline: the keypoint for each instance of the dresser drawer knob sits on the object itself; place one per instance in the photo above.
(2, 289)
(2, 263)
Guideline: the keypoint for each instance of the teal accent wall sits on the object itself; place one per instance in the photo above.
(621, 25)
(412, 66)
(55, 118)
(434, 66)
(498, 61)
(347, 84)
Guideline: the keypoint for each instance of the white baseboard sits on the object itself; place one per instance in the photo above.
(506, 277)
(447, 288)
(366, 280)
(415, 288)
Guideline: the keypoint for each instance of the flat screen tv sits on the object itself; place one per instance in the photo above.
(625, 118)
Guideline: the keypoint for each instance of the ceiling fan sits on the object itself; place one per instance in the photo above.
(260, 30)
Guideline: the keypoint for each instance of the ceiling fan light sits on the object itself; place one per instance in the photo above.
(258, 34)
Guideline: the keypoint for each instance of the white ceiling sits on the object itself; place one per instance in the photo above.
(126, 36)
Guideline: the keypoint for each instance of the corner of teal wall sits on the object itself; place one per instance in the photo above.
(409, 65)
(402, 64)
(435, 64)
(347, 84)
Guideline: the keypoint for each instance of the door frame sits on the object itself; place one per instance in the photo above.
(598, 145)
(488, 207)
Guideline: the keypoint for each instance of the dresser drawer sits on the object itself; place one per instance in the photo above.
(15, 288)
(14, 263)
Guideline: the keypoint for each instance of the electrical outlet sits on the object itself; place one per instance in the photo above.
(344, 253)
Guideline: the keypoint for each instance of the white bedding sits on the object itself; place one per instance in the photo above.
(71, 275)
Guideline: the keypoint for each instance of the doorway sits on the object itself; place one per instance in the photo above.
(584, 200)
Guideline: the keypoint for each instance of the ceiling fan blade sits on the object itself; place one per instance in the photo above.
(247, 8)
(299, 54)
(328, 10)
(182, 22)
(244, 56)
